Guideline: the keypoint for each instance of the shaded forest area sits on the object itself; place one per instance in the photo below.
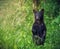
(16, 20)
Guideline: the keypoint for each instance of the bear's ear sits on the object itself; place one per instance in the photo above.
(41, 12)
(34, 11)
(42, 9)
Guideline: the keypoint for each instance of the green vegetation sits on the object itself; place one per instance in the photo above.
(16, 20)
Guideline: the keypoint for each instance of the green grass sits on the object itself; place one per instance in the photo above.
(15, 27)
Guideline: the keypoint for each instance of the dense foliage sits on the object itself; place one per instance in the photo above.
(16, 19)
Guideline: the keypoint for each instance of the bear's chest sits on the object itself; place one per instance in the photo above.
(39, 28)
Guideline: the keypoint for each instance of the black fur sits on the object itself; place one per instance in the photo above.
(39, 28)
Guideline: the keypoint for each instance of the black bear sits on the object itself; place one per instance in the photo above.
(39, 28)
